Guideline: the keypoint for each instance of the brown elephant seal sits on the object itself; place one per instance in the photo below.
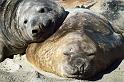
(82, 47)
(26, 21)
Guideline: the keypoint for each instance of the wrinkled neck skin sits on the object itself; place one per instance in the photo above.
(13, 40)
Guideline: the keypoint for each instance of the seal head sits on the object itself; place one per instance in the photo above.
(38, 19)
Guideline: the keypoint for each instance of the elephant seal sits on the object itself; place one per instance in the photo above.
(83, 46)
(26, 21)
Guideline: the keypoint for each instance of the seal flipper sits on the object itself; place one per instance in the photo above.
(2, 50)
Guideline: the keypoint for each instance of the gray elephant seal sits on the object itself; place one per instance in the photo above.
(83, 46)
(26, 21)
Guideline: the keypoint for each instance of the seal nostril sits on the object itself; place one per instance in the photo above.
(34, 31)
(42, 10)
(90, 54)
(25, 21)
(67, 54)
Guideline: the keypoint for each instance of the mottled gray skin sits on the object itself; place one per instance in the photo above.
(26, 21)
(113, 10)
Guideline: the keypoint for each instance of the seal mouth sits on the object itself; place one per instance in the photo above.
(85, 72)
(42, 31)
(78, 74)
(38, 29)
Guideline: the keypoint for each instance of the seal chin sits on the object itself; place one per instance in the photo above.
(42, 31)
(38, 29)
(84, 72)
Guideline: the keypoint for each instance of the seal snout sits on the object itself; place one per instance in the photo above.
(77, 65)
(38, 29)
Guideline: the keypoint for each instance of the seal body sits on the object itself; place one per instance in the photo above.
(26, 21)
(112, 10)
(82, 47)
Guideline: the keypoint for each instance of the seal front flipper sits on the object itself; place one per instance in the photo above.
(2, 50)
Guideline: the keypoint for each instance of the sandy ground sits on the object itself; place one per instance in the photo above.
(19, 70)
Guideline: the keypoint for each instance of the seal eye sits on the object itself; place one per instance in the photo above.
(42, 10)
(25, 21)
